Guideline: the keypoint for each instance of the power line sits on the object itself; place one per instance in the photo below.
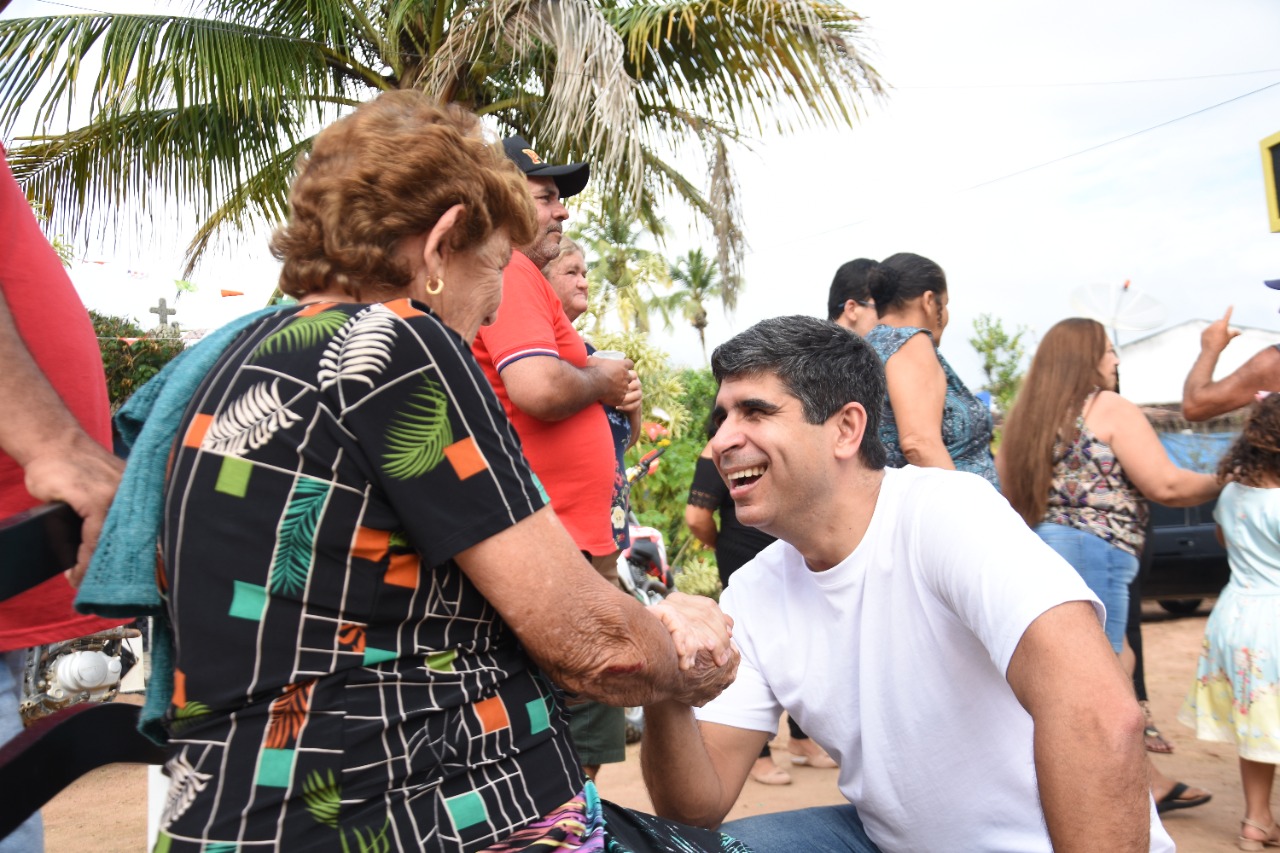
(1047, 163)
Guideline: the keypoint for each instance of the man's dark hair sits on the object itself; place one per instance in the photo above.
(850, 283)
(822, 365)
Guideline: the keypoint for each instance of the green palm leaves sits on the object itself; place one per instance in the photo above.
(296, 543)
(208, 113)
(323, 797)
(419, 433)
(301, 333)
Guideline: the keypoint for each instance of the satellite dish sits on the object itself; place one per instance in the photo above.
(1122, 308)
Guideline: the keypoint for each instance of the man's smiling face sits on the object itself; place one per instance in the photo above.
(775, 462)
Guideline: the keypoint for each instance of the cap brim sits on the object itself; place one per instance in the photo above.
(1273, 283)
(570, 178)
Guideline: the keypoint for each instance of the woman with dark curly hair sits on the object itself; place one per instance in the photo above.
(1236, 694)
(372, 604)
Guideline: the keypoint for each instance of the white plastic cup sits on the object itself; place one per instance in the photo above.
(611, 354)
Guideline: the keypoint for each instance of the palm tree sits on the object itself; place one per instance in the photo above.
(624, 275)
(209, 114)
(696, 279)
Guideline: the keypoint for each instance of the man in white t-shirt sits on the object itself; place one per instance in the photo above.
(911, 623)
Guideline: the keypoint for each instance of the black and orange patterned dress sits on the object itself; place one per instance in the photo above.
(340, 684)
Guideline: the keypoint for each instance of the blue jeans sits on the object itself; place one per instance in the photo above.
(1105, 568)
(822, 829)
(28, 838)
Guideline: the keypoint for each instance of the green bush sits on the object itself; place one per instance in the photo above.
(700, 577)
(129, 365)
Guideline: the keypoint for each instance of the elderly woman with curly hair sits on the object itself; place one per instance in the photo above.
(374, 611)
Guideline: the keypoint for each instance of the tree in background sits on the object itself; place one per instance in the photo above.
(131, 356)
(624, 275)
(1002, 354)
(210, 113)
(695, 281)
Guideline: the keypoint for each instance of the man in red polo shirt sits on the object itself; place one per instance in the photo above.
(53, 432)
(538, 365)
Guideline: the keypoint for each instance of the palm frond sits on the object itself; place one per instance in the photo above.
(263, 196)
(151, 62)
(183, 156)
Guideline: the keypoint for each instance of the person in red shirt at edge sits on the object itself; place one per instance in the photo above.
(53, 434)
(538, 365)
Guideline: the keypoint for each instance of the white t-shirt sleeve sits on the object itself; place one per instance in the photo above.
(747, 703)
(985, 565)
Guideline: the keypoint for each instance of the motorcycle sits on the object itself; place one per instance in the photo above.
(86, 669)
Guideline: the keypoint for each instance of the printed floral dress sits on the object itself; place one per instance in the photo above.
(1236, 695)
(339, 682)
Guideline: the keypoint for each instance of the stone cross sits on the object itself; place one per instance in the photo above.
(164, 312)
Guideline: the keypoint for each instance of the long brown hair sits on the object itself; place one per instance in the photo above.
(1254, 458)
(1063, 372)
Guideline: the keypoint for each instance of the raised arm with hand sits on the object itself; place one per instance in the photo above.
(1122, 425)
(551, 389)
(613, 650)
(1090, 766)
(1203, 398)
(59, 460)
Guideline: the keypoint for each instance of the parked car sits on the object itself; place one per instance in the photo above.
(1183, 562)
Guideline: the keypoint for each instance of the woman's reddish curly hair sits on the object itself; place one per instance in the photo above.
(388, 171)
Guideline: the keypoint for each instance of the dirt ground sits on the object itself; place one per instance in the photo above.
(105, 812)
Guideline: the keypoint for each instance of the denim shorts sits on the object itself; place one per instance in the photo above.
(1107, 570)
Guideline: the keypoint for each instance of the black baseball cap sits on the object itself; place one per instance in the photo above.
(1273, 283)
(570, 178)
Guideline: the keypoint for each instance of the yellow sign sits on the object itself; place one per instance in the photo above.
(1271, 177)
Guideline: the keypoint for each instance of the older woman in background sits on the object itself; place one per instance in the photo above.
(1078, 462)
(365, 655)
(930, 419)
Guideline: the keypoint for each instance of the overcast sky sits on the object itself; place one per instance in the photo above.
(982, 91)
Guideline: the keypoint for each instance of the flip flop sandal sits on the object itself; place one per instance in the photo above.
(1151, 737)
(1172, 800)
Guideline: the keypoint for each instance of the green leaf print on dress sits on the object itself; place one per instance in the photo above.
(301, 333)
(296, 541)
(419, 433)
(323, 796)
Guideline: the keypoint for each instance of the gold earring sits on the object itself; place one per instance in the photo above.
(439, 287)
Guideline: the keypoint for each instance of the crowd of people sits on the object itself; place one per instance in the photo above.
(389, 519)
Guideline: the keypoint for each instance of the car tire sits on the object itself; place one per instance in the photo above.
(1181, 606)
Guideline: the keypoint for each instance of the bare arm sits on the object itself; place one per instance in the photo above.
(702, 524)
(1122, 425)
(608, 647)
(60, 461)
(1089, 761)
(551, 389)
(694, 771)
(917, 392)
(1202, 398)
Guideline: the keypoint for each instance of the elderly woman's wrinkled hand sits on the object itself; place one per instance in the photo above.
(696, 624)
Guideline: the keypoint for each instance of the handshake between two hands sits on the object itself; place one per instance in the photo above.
(703, 637)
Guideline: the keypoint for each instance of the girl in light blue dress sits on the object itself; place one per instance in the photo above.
(1236, 695)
